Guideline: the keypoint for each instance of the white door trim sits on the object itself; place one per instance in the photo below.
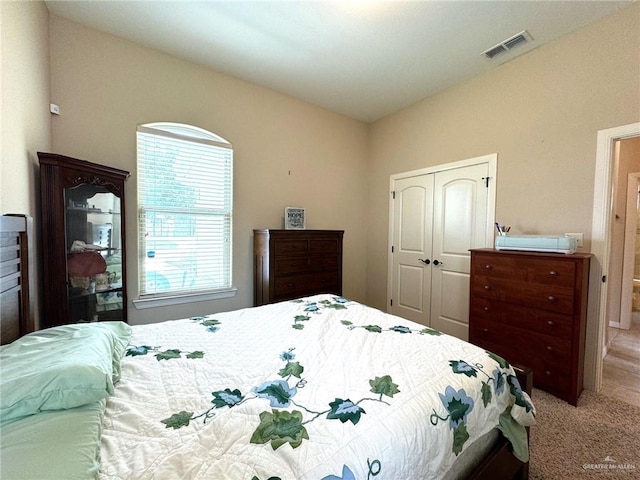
(490, 159)
(601, 248)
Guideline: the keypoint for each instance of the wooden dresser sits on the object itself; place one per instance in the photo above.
(296, 263)
(531, 309)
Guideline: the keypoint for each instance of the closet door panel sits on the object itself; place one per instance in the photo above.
(459, 224)
(412, 248)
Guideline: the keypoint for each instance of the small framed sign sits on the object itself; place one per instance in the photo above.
(294, 218)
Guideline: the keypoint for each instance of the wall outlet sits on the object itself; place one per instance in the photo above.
(578, 236)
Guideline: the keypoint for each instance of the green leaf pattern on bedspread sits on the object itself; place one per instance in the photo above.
(279, 427)
(286, 421)
(316, 308)
(397, 329)
(169, 354)
(207, 321)
(458, 404)
(172, 353)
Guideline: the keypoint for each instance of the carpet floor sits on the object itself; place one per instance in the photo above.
(600, 438)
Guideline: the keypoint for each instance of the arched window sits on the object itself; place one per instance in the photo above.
(185, 198)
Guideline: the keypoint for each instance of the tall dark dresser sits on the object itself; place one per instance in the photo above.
(531, 309)
(295, 263)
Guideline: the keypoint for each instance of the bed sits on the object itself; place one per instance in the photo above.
(315, 388)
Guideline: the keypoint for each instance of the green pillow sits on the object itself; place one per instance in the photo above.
(61, 367)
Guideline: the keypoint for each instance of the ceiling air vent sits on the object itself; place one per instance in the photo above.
(508, 44)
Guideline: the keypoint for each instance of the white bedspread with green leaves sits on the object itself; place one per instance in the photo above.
(322, 388)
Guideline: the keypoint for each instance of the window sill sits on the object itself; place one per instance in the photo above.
(153, 302)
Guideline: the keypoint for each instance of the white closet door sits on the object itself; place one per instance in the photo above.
(459, 224)
(436, 218)
(413, 213)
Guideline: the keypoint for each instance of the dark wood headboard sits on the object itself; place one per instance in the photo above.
(16, 265)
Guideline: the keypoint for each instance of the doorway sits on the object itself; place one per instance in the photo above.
(435, 216)
(601, 247)
(621, 353)
(630, 277)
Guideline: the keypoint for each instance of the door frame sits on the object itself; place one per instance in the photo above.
(601, 249)
(490, 159)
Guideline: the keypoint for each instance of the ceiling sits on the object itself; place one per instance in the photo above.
(363, 59)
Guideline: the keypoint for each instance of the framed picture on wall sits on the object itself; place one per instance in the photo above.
(294, 218)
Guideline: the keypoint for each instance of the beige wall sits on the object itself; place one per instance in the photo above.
(540, 112)
(25, 122)
(105, 86)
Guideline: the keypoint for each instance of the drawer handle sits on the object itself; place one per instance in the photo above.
(487, 287)
(550, 322)
(553, 273)
(548, 372)
(551, 298)
(488, 267)
(549, 348)
(485, 330)
(486, 309)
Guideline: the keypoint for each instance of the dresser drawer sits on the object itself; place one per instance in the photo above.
(286, 287)
(299, 264)
(518, 345)
(553, 378)
(294, 246)
(321, 246)
(547, 297)
(541, 321)
(537, 270)
(321, 263)
(549, 360)
(296, 264)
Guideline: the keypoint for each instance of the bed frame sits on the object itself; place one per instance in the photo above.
(16, 247)
(16, 253)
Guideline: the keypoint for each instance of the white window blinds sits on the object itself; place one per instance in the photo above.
(185, 196)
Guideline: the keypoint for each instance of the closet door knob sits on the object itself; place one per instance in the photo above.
(426, 261)
(437, 262)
